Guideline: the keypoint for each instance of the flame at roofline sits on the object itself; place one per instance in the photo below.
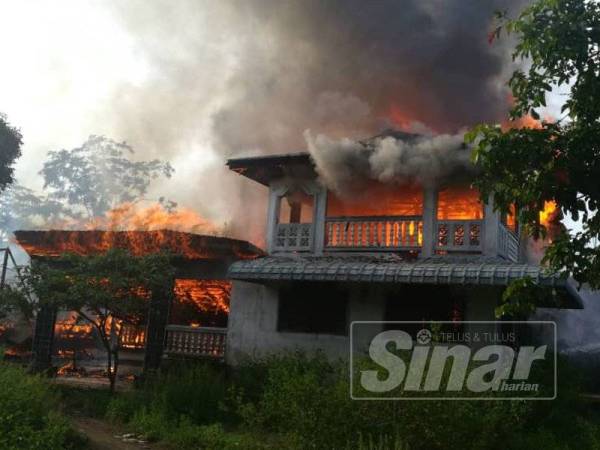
(53, 243)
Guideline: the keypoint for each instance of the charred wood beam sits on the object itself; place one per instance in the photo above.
(43, 339)
(158, 318)
(4, 268)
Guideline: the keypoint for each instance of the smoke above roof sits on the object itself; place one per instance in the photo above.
(223, 78)
(392, 157)
(255, 74)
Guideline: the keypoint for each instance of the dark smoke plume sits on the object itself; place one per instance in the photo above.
(229, 77)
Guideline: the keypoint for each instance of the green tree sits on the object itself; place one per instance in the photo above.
(10, 149)
(558, 44)
(79, 185)
(21, 207)
(108, 291)
(98, 176)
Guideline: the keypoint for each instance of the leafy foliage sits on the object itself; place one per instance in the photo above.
(29, 415)
(10, 150)
(99, 176)
(521, 297)
(558, 43)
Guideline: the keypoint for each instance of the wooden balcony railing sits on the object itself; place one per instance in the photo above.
(374, 233)
(460, 235)
(208, 342)
(508, 244)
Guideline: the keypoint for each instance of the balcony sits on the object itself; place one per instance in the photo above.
(374, 233)
(397, 219)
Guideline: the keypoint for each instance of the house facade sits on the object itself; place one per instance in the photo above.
(383, 252)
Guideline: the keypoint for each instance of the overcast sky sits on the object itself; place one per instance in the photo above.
(157, 74)
(64, 63)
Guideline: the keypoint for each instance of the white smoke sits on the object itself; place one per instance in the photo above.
(342, 164)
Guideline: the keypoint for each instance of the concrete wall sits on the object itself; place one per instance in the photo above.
(480, 305)
(252, 328)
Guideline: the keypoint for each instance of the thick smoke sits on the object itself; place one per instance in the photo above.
(196, 81)
(225, 77)
(407, 159)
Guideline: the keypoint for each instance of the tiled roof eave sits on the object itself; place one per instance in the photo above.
(491, 274)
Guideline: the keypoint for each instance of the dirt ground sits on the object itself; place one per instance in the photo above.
(103, 436)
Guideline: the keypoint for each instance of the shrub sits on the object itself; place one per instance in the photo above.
(295, 401)
(307, 399)
(152, 424)
(195, 391)
(122, 407)
(28, 414)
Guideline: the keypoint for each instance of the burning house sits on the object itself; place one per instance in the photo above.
(194, 325)
(386, 229)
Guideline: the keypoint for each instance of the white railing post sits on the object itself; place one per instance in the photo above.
(272, 217)
(320, 211)
(491, 223)
(429, 222)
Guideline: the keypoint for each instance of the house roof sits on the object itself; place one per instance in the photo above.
(52, 243)
(263, 169)
(439, 271)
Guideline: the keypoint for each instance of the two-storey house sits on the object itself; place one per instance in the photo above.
(390, 252)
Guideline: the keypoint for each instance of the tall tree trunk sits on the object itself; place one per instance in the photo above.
(109, 365)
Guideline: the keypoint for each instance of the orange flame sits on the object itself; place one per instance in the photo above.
(522, 122)
(459, 203)
(548, 214)
(72, 327)
(187, 245)
(201, 302)
(130, 216)
(400, 119)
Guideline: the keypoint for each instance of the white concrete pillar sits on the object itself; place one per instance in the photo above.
(491, 223)
(272, 218)
(430, 201)
(320, 213)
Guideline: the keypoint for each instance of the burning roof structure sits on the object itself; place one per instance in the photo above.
(188, 246)
(201, 288)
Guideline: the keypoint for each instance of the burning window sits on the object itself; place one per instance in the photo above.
(74, 342)
(378, 200)
(312, 308)
(201, 303)
(459, 203)
(510, 219)
(296, 207)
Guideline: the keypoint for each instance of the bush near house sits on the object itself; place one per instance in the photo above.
(300, 402)
(29, 417)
